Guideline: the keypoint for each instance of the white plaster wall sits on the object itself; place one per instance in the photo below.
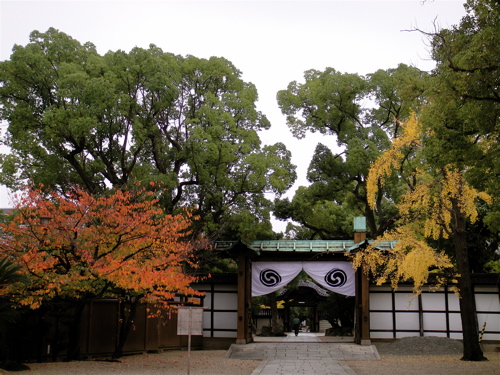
(434, 313)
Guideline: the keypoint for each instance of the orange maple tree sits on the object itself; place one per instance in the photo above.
(78, 245)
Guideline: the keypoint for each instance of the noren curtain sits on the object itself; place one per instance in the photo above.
(268, 277)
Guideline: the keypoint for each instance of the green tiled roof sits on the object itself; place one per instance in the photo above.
(303, 246)
(339, 246)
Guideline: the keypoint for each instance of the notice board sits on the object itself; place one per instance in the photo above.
(190, 320)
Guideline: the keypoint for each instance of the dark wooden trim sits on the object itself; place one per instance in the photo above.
(393, 304)
(220, 330)
(248, 300)
(212, 315)
(219, 291)
(420, 316)
(240, 337)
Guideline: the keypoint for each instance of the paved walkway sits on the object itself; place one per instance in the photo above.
(304, 354)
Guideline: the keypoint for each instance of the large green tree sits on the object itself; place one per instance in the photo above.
(360, 115)
(462, 117)
(78, 118)
(438, 205)
(458, 156)
(464, 107)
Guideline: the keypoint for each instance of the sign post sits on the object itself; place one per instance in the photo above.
(189, 322)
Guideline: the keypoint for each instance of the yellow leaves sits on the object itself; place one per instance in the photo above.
(279, 305)
(389, 160)
(428, 209)
(430, 199)
(416, 261)
(409, 260)
(455, 187)
(485, 197)
(430, 202)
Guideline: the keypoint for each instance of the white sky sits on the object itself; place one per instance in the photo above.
(271, 42)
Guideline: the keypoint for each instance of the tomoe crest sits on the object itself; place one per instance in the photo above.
(336, 277)
(269, 277)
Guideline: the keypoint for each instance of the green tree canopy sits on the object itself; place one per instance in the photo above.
(454, 181)
(78, 118)
(463, 113)
(464, 107)
(361, 114)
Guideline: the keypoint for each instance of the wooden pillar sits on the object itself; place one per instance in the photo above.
(240, 336)
(357, 308)
(359, 237)
(362, 292)
(248, 300)
(244, 332)
(365, 309)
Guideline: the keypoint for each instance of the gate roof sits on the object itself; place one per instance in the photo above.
(287, 246)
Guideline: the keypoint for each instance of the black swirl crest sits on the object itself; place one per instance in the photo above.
(336, 278)
(269, 277)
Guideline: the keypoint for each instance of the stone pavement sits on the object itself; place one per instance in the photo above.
(304, 354)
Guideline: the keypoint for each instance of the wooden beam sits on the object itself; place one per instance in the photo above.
(248, 300)
(359, 237)
(240, 336)
(365, 309)
(362, 300)
(357, 308)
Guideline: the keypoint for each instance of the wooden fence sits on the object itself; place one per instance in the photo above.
(43, 335)
(100, 329)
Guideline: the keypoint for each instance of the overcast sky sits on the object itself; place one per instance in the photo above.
(271, 42)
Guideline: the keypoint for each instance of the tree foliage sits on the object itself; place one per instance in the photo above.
(437, 204)
(78, 118)
(9, 313)
(464, 99)
(9, 275)
(456, 168)
(361, 114)
(339, 311)
(462, 116)
(80, 246)
(324, 219)
(426, 209)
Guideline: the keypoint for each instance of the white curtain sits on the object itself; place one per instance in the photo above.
(268, 277)
(335, 276)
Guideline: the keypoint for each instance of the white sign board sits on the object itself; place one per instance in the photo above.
(190, 320)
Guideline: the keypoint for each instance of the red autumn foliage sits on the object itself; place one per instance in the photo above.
(79, 245)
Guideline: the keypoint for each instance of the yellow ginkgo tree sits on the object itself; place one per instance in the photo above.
(437, 204)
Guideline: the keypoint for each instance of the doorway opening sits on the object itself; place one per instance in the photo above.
(320, 312)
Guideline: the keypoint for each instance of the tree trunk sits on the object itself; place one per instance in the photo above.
(371, 222)
(470, 329)
(126, 319)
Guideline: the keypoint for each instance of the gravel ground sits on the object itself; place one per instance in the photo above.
(425, 355)
(206, 362)
(408, 356)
